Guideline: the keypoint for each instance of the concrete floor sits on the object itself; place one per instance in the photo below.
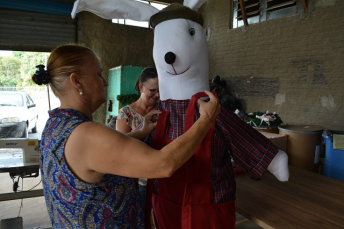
(33, 211)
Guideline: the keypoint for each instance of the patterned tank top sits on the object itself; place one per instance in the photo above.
(114, 202)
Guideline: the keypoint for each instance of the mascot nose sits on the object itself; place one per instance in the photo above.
(170, 57)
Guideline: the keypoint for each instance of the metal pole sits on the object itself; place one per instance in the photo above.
(48, 97)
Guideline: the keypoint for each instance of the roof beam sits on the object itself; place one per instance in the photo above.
(165, 1)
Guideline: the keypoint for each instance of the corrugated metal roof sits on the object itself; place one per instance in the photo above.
(40, 6)
(32, 31)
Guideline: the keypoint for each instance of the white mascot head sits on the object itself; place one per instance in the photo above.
(180, 47)
(180, 52)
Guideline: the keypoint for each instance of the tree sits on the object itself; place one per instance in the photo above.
(17, 70)
(9, 71)
(29, 61)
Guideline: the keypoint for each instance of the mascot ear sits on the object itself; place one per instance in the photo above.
(194, 4)
(116, 9)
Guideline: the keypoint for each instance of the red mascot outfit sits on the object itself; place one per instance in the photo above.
(204, 187)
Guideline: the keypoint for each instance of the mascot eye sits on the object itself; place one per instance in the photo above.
(192, 32)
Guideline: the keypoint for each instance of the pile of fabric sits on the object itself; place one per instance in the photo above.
(260, 119)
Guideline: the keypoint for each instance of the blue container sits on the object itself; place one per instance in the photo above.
(334, 159)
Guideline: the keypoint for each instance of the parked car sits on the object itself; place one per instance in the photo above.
(18, 115)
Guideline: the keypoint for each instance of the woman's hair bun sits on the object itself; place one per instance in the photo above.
(41, 76)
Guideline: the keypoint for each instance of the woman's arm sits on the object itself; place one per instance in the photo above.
(149, 124)
(93, 149)
(123, 122)
(122, 126)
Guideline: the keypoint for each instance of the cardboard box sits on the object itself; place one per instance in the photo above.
(278, 140)
(303, 145)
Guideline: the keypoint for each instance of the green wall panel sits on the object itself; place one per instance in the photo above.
(121, 81)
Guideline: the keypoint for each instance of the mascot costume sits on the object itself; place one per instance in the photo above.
(201, 193)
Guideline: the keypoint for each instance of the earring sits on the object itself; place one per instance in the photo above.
(81, 92)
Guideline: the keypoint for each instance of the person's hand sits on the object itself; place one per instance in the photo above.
(150, 120)
(209, 109)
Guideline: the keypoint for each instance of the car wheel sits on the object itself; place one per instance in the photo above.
(25, 133)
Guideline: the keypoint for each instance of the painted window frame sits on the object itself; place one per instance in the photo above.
(267, 10)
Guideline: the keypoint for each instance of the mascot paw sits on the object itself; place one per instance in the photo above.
(279, 166)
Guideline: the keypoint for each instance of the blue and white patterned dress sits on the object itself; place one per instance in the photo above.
(114, 202)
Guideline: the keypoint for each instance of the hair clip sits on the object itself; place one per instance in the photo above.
(42, 75)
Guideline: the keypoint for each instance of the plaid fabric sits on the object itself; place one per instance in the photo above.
(232, 137)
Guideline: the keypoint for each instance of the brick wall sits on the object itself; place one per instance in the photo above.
(116, 45)
(292, 65)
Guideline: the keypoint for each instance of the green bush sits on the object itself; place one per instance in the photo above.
(127, 99)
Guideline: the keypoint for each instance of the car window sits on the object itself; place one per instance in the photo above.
(28, 102)
(30, 99)
(11, 99)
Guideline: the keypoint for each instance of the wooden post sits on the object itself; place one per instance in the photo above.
(304, 4)
(243, 12)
